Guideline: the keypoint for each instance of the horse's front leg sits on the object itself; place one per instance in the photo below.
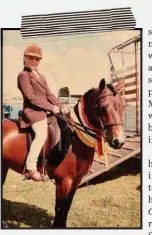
(64, 197)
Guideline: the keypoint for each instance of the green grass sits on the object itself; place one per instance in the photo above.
(110, 200)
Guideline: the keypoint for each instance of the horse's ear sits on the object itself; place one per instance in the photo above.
(120, 85)
(102, 84)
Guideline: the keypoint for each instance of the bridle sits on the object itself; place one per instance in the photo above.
(98, 106)
(91, 132)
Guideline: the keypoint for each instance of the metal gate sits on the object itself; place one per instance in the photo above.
(129, 72)
(128, 54)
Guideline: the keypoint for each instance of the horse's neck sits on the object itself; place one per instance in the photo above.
(84, 151)
(90, 114)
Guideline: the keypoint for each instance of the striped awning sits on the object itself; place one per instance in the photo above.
(77, 22)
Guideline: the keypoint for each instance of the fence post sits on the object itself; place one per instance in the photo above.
(137, 89)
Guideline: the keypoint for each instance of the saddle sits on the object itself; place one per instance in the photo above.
(55, 152)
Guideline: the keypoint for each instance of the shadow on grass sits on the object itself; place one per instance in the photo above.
(129, 167)
(22, 215)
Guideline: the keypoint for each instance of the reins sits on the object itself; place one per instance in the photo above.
(114, 92)
(93, 132)
(75, 124)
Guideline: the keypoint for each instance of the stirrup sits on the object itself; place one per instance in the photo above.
(28, 176)
(45, 177)
(33, 174)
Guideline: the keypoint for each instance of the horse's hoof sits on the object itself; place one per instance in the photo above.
(58, 226)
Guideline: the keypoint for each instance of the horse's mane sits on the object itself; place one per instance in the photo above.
(90, 91)
(86, 94)
(112, 88)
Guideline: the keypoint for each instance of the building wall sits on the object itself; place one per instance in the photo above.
(77, 61)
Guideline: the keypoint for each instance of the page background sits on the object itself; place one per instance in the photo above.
(10, 17)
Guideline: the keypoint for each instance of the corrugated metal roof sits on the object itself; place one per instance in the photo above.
(77, 22)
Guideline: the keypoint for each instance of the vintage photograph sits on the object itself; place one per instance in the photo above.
(71, 130)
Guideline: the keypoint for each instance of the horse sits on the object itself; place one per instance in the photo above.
(103, 109)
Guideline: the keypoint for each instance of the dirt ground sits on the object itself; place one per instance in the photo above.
(110, 200)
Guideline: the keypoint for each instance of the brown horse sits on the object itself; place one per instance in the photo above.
(103, 109)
